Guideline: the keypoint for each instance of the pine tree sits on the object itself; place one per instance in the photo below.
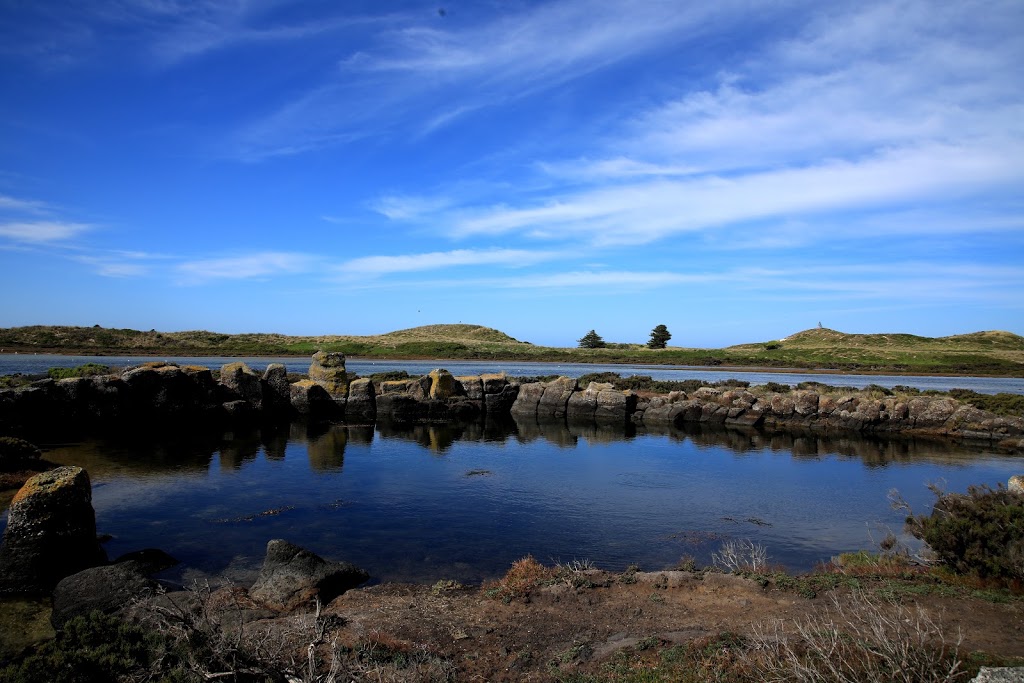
(659, 337)
(591, 340)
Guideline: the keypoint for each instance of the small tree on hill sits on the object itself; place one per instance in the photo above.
(591, 340)
(659, 337)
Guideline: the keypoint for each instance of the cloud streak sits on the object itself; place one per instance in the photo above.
(42, 232)
(408, 263)
(256, 266)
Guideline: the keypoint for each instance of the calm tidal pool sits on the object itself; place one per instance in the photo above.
(429, 502)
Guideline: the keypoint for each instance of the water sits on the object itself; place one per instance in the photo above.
(39, 363)
(465, 501)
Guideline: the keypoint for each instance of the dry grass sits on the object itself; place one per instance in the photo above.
(525, 575)
(859, 639)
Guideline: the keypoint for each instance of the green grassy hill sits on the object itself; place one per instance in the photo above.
(986, 353)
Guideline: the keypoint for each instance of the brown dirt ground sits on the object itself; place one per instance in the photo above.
(560, 629)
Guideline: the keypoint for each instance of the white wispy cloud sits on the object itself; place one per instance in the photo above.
(406, 207)
(250, 266)
(421, 73)
(30, 206)
(864, 106)
(384, 265)
(640, 213)
(42, 232)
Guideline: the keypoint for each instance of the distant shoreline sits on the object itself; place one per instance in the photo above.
(881, 370)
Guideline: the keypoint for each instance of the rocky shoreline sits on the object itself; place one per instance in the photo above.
(159, 392)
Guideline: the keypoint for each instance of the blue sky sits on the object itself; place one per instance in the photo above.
(735, 170)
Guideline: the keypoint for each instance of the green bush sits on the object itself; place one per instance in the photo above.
(776, 388)
(98, 649)
(87, 370)
(980, 533)
(1010, 405)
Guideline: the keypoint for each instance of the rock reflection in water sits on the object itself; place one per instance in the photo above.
(396, 499)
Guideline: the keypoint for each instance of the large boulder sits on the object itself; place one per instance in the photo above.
(527, 399)
(51, 532)
(583, 404)
(276, 390)
(243, 383)
(328, 370)
(555, 400)
(472, 387)
(108, 589)
(292, 577)
(501, 402)
(442, 385)
(614, 405)
(309, 398)
(362, 401)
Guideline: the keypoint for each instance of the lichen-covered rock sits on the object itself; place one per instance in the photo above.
(782, 405)
(555, 399)
(494, 383)
(293, 577)
(362, 401)
(614, 405)
(805, 403)
(309, 398)
(51, 532)
(582, 405)
(442, 385)
(328, 370)
(663, 410)
(931, 413)
(276, 390)
(527, 399)
(472, 387)
(243, 383)
(501, 402)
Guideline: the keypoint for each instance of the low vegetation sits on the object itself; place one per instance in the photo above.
(981, 353)
(979, 534)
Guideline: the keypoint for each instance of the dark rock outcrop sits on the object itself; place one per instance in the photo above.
(309, 398)
(108, 589)
(361, 405)
(292, 577)
(51, 532)
(243, 384)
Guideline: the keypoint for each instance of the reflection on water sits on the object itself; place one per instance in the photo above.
(400, 501)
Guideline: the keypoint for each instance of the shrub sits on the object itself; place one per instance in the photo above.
(610, 377)
(979, 533)
(87, 370)
(1010, 405)
(525, 575)
(97, 648)
(776, 388)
